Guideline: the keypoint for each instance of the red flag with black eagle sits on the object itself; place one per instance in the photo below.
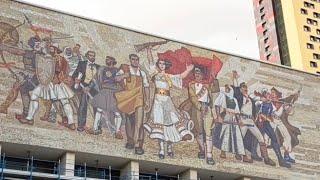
(182, 57)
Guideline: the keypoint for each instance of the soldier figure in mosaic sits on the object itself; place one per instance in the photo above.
(28, 76)
(105, 101)
(247, 118)
(52, 73)
(265, 113)
(200, 101)
(132, 101)
(286, 133)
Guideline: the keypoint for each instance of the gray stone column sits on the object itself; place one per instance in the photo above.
(190, 174)
(130, 171)
(67, 163)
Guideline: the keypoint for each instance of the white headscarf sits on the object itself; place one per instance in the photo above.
(67, 57)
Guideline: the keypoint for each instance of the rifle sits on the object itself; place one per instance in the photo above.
(140, 47)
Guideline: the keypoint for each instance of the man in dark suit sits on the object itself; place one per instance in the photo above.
(86, 86)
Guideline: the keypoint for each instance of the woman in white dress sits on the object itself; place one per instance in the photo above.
(166, 123)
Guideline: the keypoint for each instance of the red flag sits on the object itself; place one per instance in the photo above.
(179, 59)
(182, 57)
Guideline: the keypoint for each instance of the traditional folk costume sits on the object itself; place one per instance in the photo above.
(56, 90)
(167, 123)
(249, 130)
(230, 138)
(105, 100)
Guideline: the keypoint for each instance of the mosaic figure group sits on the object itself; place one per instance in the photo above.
(140, 99)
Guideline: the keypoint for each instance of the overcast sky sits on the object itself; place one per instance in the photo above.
(224, 25)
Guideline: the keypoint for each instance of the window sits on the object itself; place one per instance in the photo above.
(261, 10)
(308, 5)
(265, 32)
(310, 46)
(266, 40)
(264, 24)
(306, 28)
(316, 56)
(304, 11)
(316, 15)
(262, 16)
(318, 31)
(267, 48)
(268, 56)
(313, 64)
(312, 21)
(314, 39)
(260, 2)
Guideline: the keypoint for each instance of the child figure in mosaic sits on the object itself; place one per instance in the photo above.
(166, 123)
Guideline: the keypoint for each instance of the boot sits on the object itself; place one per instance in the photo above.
(21, 116)
(64, 121)
(246, 159)
(288, 158)
(161, 150)
(46, 116)
(281, 161)
(71, 126)
(264, 154)
(238, 157)
(26, 121)
(223, 155)
(12, 96)
(170, 150)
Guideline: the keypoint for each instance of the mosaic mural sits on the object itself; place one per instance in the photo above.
(148, 94)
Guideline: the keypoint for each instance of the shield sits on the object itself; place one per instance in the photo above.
(45, 68)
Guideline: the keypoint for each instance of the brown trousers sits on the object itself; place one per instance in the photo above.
(134, 127)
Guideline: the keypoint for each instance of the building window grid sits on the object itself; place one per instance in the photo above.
(260, 2)
(310, 46)
(313, 64)
(267, 48)
(264, 24)
(314, 38)
(265, 32)
(306, 28)
(268, 56)
(308, 5)
(318, 1)
(312, 22)
(304, 11)
(316, 56)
